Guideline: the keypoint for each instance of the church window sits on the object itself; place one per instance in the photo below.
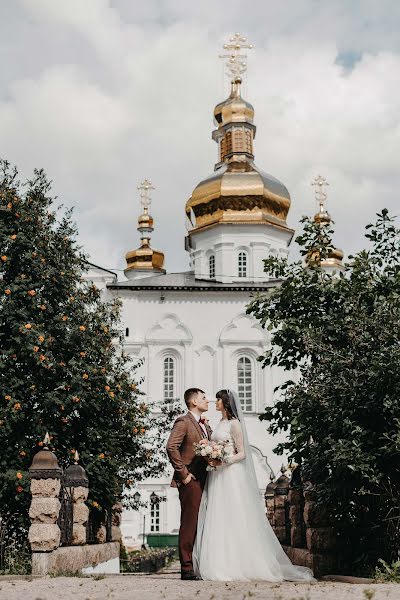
(245, 383)
(169, 378)
(228, 142)
(249, 148)
(242, 264)
(154, 513)
(211, 266)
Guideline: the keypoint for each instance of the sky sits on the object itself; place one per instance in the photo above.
(104, 93)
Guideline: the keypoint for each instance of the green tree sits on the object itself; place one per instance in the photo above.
(343, 414)
(61, 369)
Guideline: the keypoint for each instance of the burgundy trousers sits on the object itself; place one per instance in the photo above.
(190, 497)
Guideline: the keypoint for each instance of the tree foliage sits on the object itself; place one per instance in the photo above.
(61, 369)
(342, 415)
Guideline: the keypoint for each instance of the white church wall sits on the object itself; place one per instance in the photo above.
(225, 241)
(205, 333)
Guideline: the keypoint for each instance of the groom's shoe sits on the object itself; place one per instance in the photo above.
(189, 576)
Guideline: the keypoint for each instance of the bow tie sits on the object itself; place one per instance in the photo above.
(203, 421)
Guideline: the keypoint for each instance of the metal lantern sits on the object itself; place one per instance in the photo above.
(282, 484)
(45, 464)
(270, 489)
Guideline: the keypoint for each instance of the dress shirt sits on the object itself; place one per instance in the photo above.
(201, 424)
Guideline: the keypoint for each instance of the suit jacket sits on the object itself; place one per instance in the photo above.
(185, 432)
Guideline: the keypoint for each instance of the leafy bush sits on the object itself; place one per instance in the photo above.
(60, 367)
(342, 416)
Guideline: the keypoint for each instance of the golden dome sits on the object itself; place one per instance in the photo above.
(322, 217)
(238, 191)
(145, 220)
(234, 109)
(144, 258)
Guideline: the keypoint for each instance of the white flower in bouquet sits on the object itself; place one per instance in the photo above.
(210, 450)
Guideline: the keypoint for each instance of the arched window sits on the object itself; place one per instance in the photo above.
(211, 266)
(169, 378)
(242, 264)
(154, 513)
(127, 332)
(245, 383)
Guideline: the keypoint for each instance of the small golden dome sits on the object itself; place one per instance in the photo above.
(234, 109)
(322, 217)
(144, 258)
(145, 220)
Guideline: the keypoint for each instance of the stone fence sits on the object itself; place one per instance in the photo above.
(60, 528)
(301, 525)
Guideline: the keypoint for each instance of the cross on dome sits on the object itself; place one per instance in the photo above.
(237, 62)
(145, 194)
(319, 184)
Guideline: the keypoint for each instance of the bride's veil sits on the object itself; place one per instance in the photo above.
(272, 545)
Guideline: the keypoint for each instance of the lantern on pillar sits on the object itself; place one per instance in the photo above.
(45, 464)
(75, 475)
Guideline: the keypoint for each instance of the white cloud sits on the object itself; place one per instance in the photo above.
(102, 94)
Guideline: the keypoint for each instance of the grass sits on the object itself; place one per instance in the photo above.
(17, 561)
(387, 573)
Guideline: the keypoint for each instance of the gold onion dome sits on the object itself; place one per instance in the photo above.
(235, 108)
(145, 220)
(145, 258)
(238, 191)
(323, 218)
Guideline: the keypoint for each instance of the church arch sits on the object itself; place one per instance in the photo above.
(169, 329)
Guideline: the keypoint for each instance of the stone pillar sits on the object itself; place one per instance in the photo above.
(77, 482)
(297, 528)
(281, 522)
(116, 522)
(270, 500)
(44, 533)
(320, 536)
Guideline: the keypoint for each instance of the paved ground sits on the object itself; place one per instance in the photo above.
(169, 586)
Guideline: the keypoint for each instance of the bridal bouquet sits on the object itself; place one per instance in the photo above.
(210, 450)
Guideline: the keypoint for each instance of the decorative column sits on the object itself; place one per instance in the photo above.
(78, 483)
(320, 535)
(116, 522)
(45, 473)
(296, 508)
(281, 509)
(270, 500)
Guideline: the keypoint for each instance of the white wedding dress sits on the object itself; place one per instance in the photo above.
(235, 541)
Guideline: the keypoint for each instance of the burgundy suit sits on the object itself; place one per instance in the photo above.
(185, 432)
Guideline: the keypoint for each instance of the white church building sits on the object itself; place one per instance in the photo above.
(191, 328)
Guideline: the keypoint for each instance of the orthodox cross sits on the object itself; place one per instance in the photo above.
(321, 195)
(237, 62)
(145, 193)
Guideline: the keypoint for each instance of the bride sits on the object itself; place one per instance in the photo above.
(235, 541)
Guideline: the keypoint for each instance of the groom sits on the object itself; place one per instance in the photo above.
(189, 472)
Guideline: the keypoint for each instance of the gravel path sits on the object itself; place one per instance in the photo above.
(169, 587)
